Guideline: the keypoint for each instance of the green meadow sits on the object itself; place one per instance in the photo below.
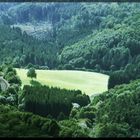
(89, 83)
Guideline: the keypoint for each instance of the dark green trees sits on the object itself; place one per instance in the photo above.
(14, 123)
(117, 111)
(43, 100)
(131, 72)
(11, 76)
(31, 73)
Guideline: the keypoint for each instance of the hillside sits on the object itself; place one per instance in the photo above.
(87, 60)
(18, 124)
(118, 111)
(115, 113)
(88, 82)
(109, 30)
(109, 49)
(15, 123)
(26, 49)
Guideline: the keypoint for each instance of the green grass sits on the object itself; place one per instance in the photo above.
(88, 82)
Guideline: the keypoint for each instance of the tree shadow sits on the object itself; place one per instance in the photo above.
(35, 83)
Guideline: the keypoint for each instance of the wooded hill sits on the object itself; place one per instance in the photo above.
(102, 37)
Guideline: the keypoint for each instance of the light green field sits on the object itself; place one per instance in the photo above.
(88, 82)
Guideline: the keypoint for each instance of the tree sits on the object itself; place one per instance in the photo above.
(30, 65)
(14, 79)
(31, 73)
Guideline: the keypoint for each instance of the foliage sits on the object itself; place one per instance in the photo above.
(97, 37)
(117, 113)
(70, 128)
(100, 36)
(44, 100)
(131, 72)
(10, 96)
(113, 42)
(31, 73)
(23, 45)
(19, 124)
(11, 76)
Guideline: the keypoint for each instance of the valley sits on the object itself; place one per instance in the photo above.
(89, 83)
(70, 69)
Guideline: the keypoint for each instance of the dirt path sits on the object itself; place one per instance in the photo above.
(4, 84)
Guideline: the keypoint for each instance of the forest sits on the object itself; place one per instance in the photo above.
(96, 37)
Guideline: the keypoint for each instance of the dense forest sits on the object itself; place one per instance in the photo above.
(114, 113)
(39, 98)
(98, 37)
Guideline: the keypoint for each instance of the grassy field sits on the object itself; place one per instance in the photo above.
(88, 82)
